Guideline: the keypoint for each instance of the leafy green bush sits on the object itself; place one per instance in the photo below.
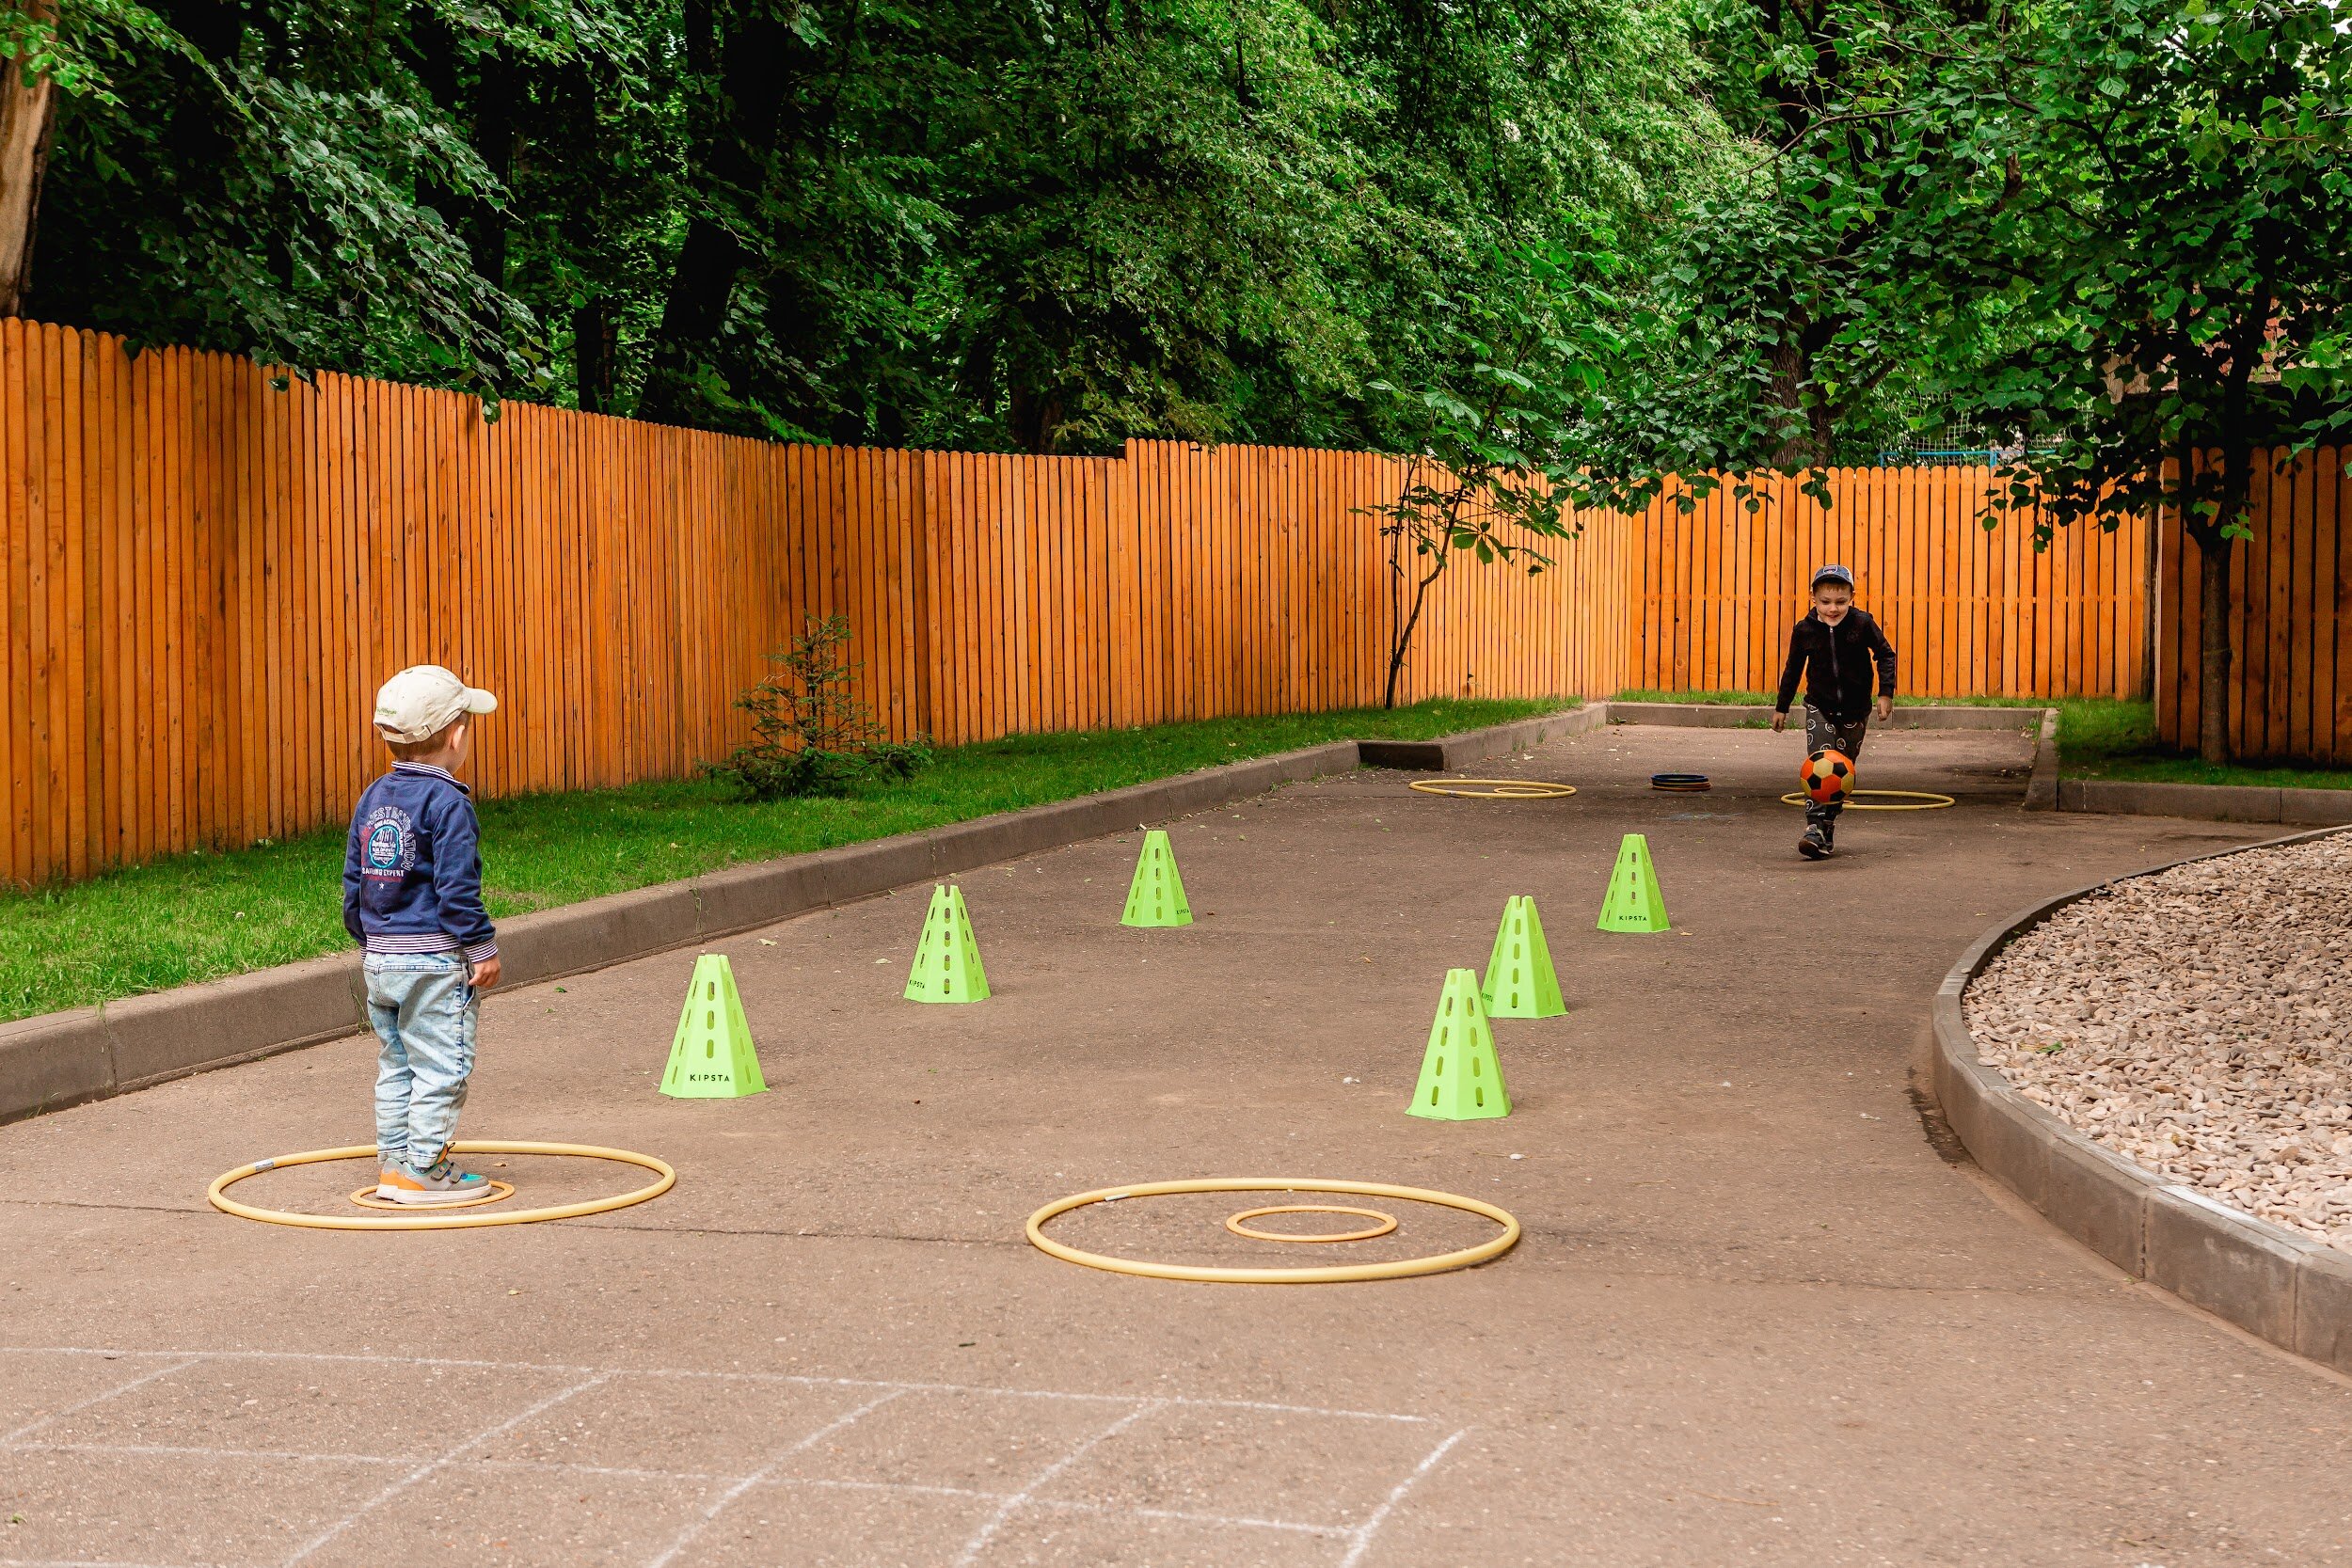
(810, 732)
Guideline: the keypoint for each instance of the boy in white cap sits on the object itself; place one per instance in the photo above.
(412, 898)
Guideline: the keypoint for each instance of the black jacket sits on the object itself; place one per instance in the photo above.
(1836, 663)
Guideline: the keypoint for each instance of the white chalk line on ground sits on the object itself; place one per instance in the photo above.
(1012, 1505)
(1358, 1536)
(708, 1478)
(431, 1465)
(181, 1450)
(685, 1538)
(1370, 1527)
(39, 1421)
(1230, 1520)
(805, 1378)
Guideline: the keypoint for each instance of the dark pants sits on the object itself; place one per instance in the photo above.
(1822, 732)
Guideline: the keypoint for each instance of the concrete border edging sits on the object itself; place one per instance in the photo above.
(2207, 802)
(1453, 752)
(2294, 1292)
(1734, 716)
(60, 1059)
(2042, 788)
(55, 1060)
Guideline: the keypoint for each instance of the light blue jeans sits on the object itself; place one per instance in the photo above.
(423, 1011)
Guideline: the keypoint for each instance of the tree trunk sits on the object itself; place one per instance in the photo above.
(495, 136)
(692, 314)
(1035, 418)
(2213, 646)
(750, 64)
(1404, 644)
(593, 346)
(2234, 509)
(28, 114)
(1813, 444)
(1409, 623)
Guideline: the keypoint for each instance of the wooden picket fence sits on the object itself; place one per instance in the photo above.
(1972, 613)
(2290, 620)
(208, 567)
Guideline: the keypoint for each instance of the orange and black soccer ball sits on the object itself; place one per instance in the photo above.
(1827, 776)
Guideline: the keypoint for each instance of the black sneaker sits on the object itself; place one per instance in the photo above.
(1813, 846)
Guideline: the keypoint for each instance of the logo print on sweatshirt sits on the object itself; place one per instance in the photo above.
(388, 849)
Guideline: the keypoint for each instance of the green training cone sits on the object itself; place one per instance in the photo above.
(947, 960)
(1460, 1078)
(713, 1057)
(1634, 903)
(1520, 981)
(1157, 896)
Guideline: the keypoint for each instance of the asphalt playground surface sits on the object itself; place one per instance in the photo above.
(1764, 1311)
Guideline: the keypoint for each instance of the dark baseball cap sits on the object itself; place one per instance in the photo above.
(1833, 573)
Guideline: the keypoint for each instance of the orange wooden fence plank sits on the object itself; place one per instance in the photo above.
(17, 655)
(2336, 514)
(2332, 614)
(2288, 548)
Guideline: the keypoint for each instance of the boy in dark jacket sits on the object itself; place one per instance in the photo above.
(412, 897)
(1836, 649)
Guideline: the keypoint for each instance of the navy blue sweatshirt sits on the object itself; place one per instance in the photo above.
(412, 867)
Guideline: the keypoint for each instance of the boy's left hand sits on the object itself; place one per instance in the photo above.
(482, 977)
(1886, 709)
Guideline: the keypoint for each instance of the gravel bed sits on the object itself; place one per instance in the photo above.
(2200, 1023)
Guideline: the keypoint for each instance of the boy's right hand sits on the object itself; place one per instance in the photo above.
(482, 977)
(1780, 722)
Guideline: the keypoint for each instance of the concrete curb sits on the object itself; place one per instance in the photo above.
(1454, 751)
(2041, 789)
(1727, 716)
(61, 1059)
(2209, 803)
(2294, 1292)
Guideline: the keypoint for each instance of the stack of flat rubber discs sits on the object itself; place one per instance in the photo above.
(1680, 783)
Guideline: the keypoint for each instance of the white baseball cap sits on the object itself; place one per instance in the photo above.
(422, 700)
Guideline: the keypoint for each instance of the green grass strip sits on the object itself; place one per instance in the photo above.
(202, 916)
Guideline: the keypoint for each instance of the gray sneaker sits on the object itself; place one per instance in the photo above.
(438, 1183)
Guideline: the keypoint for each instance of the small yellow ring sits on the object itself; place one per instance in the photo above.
(365, 1197)
(217, 1192)
(1341, 1274)
(1927, 799)
(1388, 1223)
(1501, 789)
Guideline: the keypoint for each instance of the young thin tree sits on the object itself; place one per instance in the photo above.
(1493, 476)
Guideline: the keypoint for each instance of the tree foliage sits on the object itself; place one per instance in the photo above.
(1781, 328)
(1045, 224)
(2175, 280)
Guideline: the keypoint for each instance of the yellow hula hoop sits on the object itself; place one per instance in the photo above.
(1924, 799)
(365, 1197)
(1388, 1223)
(217, 1194)
(1498, 790)
(1338, 1273)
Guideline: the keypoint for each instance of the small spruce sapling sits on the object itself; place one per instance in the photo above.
(811, 735)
